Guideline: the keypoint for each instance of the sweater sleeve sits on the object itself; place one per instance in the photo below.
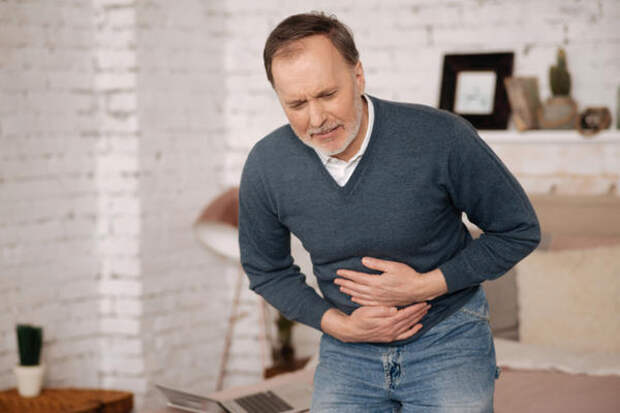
(480, 185)
(266, 253)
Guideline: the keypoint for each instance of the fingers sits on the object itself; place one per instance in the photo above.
(367, 302)
(390, 324)
(387, 324)
(395, 316)
(407, 327)
(412, 311)
(352, 288)
(356, 276)
(377, 264)
(406, 319)
(379, 311)
(410, 332)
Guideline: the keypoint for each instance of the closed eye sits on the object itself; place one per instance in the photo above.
(297, 105)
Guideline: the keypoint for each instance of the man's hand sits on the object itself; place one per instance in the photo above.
(398, 285)
(374, 324)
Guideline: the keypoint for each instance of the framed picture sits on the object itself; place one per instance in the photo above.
(472, 86)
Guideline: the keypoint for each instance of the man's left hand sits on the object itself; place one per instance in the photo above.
(397, 285)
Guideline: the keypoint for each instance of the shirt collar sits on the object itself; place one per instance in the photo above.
(371, 117)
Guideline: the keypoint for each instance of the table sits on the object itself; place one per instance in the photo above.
(67, 400)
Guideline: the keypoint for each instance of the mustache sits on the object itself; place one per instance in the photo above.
(325, 128)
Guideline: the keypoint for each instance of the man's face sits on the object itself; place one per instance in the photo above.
(321, 96)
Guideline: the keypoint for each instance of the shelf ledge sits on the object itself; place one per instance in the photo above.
(549, 137)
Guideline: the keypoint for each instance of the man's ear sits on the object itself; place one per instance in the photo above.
(360, 80)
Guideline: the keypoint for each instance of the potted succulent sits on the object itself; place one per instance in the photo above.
(560, 110)
(29, 372)
(283, 351)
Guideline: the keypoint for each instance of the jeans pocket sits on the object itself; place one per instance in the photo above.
(481, 315)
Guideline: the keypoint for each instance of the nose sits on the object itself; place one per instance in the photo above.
(317, 114)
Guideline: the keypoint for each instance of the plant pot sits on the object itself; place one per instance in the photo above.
(559, 112)
(29, 379)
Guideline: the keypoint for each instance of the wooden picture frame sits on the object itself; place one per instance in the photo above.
(472, 86)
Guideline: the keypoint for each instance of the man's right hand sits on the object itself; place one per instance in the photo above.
(374, 324)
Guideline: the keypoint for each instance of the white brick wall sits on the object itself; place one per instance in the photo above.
(186, 296)
(119, 205)
(120, 119)
(48, 264)
(111, 146)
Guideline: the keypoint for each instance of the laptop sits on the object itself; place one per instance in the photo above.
(286, 398)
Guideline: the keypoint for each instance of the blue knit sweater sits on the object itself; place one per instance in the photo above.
(421, 169)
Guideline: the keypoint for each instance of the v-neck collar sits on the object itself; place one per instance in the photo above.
(348, 188)
(370, 124)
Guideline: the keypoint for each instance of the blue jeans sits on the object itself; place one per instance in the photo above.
(451, 368)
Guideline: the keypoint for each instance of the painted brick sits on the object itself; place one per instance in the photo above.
(115, 81)
(119, 326)
(133, 384)
(128, 288)
(125, 346)
(115, 38)
(115, 59)
(122, 364)
(128, 307)
(122, 102)
(120, 17)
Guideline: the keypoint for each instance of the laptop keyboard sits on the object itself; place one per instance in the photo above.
(266, 402)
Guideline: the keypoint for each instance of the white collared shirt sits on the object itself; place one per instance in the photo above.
(341, 170)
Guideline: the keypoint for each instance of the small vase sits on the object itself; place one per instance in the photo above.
(29, 379)
(558, 112)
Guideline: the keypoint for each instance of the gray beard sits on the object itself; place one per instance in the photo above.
(359, 111)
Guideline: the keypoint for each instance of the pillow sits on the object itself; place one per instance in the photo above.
(503, 310)
(570, 299)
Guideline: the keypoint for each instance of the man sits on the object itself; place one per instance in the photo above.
(375, 191)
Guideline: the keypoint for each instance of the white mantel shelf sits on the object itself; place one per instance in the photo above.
(549, 137)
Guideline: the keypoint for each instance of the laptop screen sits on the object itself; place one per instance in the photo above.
(190, 402)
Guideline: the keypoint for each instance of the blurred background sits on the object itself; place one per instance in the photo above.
(121, 119)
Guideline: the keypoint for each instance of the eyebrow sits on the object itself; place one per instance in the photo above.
(322, 93)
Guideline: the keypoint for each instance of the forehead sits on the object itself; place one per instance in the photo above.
(308, 65)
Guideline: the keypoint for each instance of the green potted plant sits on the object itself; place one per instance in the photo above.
(560, 110)
(29, 372)
(284, 352)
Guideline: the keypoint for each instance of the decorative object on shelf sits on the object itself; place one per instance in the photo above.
(560, 110)
(472, 86)
(592, 120)
(524, 101)
(29, 373)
